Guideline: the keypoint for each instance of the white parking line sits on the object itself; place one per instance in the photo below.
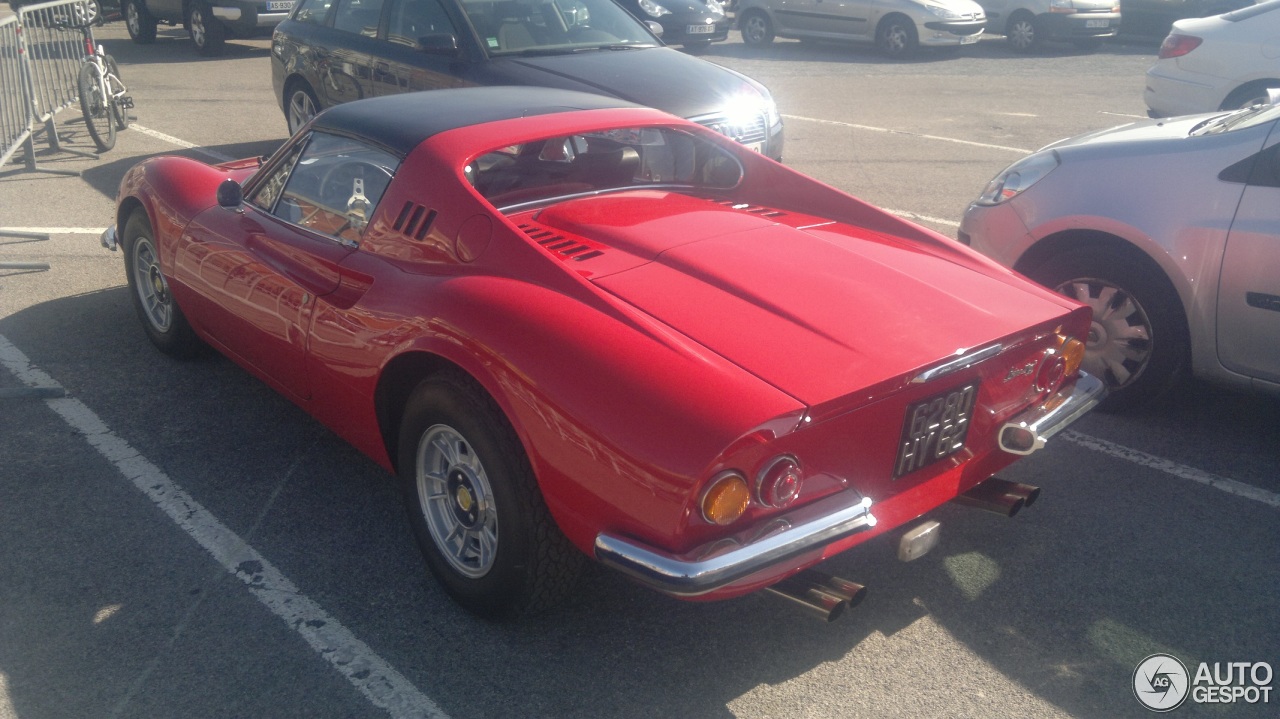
(181, 143)
(1230, 486)
(889, 131)
(56, 230)
(372, 676)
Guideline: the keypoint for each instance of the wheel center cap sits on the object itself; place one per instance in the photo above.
(1097, 335)
(466, 506)
(157, 282)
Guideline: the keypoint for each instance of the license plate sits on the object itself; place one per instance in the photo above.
(700, 29)
(754, 146)
(969, 39)
(280, 5)
(1097, 23)
(934, 429)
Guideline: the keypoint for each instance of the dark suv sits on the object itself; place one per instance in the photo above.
(210, 22)
(334, 51)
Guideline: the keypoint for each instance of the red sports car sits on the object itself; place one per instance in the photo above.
(577, 328)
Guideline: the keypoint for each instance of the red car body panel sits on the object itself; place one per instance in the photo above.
(779, 317)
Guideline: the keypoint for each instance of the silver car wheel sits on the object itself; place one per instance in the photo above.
(755, 29)
(1022, 33)
(197, 27)
(132, 22)
(152, 288)
(1120, 339)
(301, 110)
(457, 501)
(895, 39)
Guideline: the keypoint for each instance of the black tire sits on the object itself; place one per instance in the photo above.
(756, 28)
(1023, 32)
(457, 447)
(1138, 344)
(138, 21)
(97, 112)
(163, 321)
(207, 32)
(897, 38)
(300, 105)
(120, 114)
(1247, 95)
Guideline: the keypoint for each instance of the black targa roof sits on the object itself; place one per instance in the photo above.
(402, 122)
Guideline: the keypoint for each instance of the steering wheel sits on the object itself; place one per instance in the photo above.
(337, 182)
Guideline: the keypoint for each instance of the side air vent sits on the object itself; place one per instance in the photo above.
(569, 249)
(414, 220)
(749, 208)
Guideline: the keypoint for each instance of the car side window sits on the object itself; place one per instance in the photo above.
(358, 16)
(312, 12)
(412, 20)
(331, 185)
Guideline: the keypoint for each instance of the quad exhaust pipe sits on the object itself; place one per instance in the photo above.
(1000, 496)
(820, 595)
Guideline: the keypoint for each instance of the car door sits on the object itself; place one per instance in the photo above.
(416, 53)
(842, 17)
(347, 50)
(258, 271)
(1249, 288)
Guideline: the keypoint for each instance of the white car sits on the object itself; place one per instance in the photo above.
(897, 27)
(1169, 230)
(1222, 62)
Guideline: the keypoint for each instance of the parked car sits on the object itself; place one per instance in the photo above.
(1168, 230)
(209, 22)
(1216, 63)
(332, 52)
(1153, 18)
(694, 24)
(898, 27)
(576, 327)
(1028, 24)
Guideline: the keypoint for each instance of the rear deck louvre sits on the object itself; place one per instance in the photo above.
(567, 248)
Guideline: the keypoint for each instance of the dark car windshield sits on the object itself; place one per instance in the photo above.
(539, 27)
(594, 162)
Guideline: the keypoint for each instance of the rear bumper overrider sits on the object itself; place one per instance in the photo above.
(1031, 430)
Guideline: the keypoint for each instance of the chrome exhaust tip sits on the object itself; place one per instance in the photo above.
(820, 595)
(1000, 496)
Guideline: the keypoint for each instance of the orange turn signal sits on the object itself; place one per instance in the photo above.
(1072, 354)
(726, 499)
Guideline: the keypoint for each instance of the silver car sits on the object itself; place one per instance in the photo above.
(1169, 229)
(897, 27)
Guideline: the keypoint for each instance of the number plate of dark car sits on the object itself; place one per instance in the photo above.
(935, 428)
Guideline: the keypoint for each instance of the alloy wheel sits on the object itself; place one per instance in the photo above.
(457, 501)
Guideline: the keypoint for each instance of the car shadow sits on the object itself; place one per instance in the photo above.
(105, 176)
(1062, 600)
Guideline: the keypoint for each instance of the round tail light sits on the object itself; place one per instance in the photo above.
(1072, 354)
(726, 499)
(1053, 370)
(779, 482)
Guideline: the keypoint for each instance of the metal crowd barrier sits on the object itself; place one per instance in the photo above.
(39, 63)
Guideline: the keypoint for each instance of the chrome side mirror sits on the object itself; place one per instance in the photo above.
(654, 27)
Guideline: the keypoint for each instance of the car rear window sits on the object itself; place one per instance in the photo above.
(594, 162)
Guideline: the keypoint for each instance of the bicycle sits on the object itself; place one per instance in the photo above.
(103, 98)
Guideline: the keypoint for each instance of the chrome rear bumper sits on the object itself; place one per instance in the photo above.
(714, 566)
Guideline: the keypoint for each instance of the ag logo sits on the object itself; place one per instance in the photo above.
(1160, 682)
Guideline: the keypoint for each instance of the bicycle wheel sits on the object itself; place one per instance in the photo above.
(117, 110)
(97, 114)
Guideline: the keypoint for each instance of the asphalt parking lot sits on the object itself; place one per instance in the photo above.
(176, 540)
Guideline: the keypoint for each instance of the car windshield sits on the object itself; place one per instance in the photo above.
(595, 162)
(553, 27)
(1238, 120)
